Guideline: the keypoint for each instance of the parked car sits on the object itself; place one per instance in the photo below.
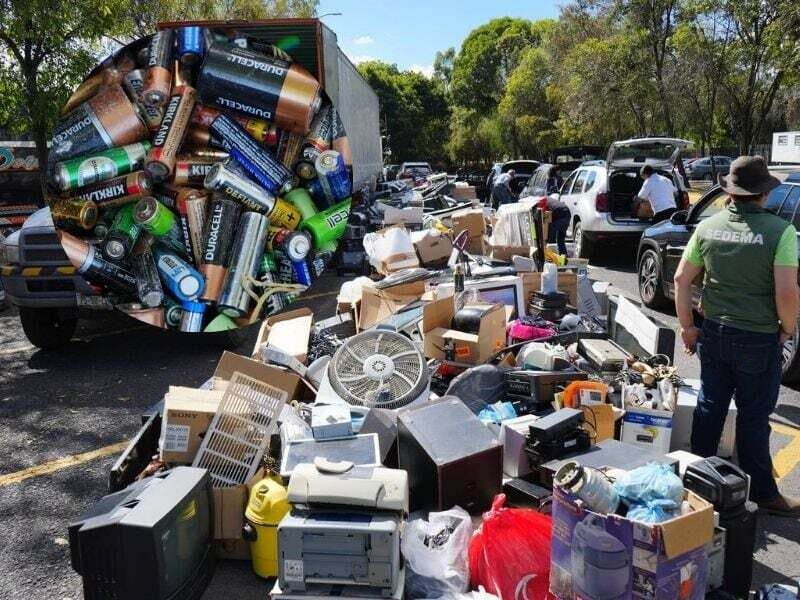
(390, 172)
(701, 167)
(600, 193)
(537, 184)
(661, 248)
(416, 171)
(523, 169)
(569, 158)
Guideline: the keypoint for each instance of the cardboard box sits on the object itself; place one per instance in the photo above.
(513, 433)
(232, 549)
(404, 258)
(230, 363)
(288, 331)
(471, 219)
(469, 348)
(684, 416)
(410, 215)
(506, 253)
(229, 506)
(594, 556)
(188, 413)
(433, 247)
(377, 305)
(567, 283)
(648, 428)
(463, 192)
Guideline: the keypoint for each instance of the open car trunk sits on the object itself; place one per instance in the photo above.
(623, 186)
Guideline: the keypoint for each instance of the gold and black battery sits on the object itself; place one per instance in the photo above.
(191, 207)
(158, 78)
(162, 156)
(105, 121)
(148, 284)
(192, 170)
(112, 71)
(122, 235)
(74, 214)
(316, 142)
(133, 83)
(221, 223)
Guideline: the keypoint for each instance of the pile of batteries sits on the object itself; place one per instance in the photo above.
(200, 179)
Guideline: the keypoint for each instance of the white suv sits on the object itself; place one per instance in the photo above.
(600, 194)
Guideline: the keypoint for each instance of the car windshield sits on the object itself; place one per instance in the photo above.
(776, 203)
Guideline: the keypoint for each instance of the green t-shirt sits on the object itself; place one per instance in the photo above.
(739, 248)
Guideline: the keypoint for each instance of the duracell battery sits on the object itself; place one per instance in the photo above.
(88, 261)
(148, 284)
(221, 222)
(191, 206)
(111, 71)
(259, 86)
(192, 171)
(339, 140)
(133, 83)
(107, 120)
(161, 159)
(106, 193)
(158, 80)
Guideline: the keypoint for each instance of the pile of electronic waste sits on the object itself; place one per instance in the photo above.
(341, 457)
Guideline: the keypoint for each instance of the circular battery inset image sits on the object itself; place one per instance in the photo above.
(200, 178)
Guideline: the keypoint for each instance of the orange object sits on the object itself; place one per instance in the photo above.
(596, 391)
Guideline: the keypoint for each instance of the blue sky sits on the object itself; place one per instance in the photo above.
(408, 33)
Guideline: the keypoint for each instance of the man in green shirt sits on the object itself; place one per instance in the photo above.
(750, 305)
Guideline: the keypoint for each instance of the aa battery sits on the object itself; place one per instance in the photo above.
(153, 216)
(134, 85)
(192, 171)
(148, 284)
(258, 163)
(248, 247)
(122, 235)
(158, 80)
(328, 225)
(302, 273)
(333, 176)
(183, 281)
(301, 200)
(192, 314)
(295, 245)
(106, 192)
(267, 264)
(223, 217)
(172, 313)
(263, 87)
(318, 139)
(105, 121)
(169, 137)
(191, 45)
(191, 206)
(339, 140)
(81, 214)
(228, 182)
(262, 131)
(86, 170)
(88, 261)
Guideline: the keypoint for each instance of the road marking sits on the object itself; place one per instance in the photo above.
(59, 464)
(787, 458)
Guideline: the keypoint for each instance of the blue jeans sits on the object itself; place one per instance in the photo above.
(558, 232)
(747, 364)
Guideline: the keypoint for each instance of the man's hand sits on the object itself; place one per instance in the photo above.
(785, 337)
(690, 336)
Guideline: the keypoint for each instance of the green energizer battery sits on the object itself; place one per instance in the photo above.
(154, 216)
(122, 235)
(86, 170)
(328, 225)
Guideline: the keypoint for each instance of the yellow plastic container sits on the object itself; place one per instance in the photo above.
(267, 506)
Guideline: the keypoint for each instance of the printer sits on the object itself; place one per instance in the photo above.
(344, 528)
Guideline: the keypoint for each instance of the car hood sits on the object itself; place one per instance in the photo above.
(660, 153)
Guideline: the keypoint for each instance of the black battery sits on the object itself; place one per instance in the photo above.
(550, 307)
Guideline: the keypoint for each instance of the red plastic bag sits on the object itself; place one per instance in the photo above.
(510, 554)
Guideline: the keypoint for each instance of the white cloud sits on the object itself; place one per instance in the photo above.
(426, 70)
(363, 40)
(359, 58)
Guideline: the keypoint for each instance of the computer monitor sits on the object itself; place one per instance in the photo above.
(506, 290)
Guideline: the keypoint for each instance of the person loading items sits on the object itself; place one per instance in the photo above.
(561, 213)
(501, 190)
(659, 191)
(750, 303)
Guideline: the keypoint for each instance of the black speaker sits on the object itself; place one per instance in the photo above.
(384, 423)
(451, 457)
(740, 541)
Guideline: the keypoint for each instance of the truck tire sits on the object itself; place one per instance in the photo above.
(790, 359)
(45, 328)
(583, 247)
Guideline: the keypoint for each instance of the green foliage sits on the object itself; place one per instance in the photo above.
(414, 112)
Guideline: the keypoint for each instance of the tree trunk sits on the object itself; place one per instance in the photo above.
(38, 127)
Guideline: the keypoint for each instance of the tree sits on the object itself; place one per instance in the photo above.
(443, 67)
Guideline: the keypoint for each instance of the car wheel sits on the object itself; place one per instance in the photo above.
(790, 359)
(584, 248)
(45, 329)
(651, 287)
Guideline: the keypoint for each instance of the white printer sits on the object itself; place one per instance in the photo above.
(343, 529)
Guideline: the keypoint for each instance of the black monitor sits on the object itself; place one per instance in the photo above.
(151, 540)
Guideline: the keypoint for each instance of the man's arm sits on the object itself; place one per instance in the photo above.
(644, 192)
(787, 294)
(684, 276)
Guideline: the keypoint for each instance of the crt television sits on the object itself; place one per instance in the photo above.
(151, 540)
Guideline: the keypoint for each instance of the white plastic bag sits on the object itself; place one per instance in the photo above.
(436, 554)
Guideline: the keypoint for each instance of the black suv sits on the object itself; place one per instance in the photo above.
(661, 248)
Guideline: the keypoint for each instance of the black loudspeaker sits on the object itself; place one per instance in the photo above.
(384, 423)
(740, 541)
(451, 457)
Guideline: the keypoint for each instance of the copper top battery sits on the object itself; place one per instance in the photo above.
(80, 214)
(158, 80)
(107, 120)
(221, 222)
(192, 171)
(161, 159)
(134, 85)
(259, 86)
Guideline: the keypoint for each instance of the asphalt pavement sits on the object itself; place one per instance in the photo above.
(63, 412)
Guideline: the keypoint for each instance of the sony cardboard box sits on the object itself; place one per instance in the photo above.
(229, 507)
(288, 331)
(188, 413)
(433, 247)
(445, 343)
(595, 556)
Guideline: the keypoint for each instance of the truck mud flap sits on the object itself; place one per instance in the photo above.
(139, 452)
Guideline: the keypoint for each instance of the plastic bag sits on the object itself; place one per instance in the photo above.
(510, 554)
(653, 481)
(479, 387)
(655, 511)
(497, 412)
(479, 594)
(436, 554)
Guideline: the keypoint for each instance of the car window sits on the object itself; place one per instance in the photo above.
(577, 186)
(590, 179)
(714, 205)
(789, 209)
(776, 198)
(565, 187)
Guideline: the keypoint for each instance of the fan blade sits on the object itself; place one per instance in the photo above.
(354, 355)
(378, 343)
(406, 353)
(352, 379)
(404, 378)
